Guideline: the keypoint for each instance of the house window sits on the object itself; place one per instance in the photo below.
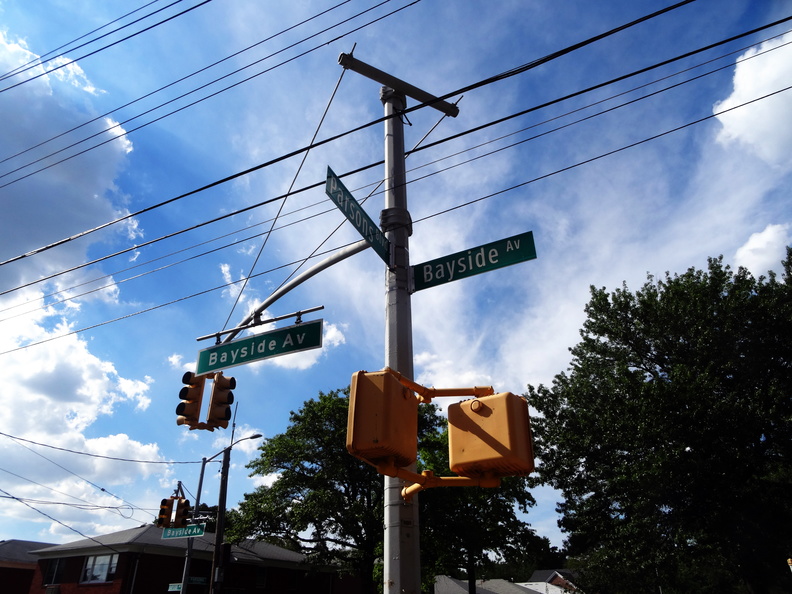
(99, 568)
(54, 571)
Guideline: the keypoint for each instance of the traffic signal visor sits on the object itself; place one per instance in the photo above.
(189, 409)
(382, 426)
(182, 513)
(220, 402)
(165, 513)
(491, 436)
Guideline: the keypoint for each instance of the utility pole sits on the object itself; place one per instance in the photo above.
(402, 565)
(402, 568)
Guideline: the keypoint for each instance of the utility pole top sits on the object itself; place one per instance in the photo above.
(375, 74)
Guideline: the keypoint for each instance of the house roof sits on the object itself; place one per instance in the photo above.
(16, 553)
(448, 585)
(547, 575)
(148, 539)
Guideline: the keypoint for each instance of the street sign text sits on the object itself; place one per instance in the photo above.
(357, 216)
(483, 258)
(282, 341)
(186, 532)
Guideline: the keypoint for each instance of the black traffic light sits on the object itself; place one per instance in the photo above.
(189, 409)
(220, 402)
(182, 513)
(165, 513)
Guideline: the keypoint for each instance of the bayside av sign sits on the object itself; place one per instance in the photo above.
(483, 258)
(282, 341)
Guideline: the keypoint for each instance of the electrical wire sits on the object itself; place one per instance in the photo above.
(283, 202)
(488, 124)
(70, 62)
(438, 213)
(46, 515)
(467, 149)
(154, 92)
(132, 506)
(125, 133)
(502, 76)
(38, 60)
(52, 447)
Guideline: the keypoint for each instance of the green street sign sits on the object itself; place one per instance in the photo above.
(483, 258)
(174, 587)
(282, 341)
(186, 532)
(357, 216)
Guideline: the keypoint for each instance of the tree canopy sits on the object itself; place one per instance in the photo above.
(329, 505)
(670, 435)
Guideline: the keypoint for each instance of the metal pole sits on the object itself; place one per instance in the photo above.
(218, 568)
(401, 548)
(188, 554)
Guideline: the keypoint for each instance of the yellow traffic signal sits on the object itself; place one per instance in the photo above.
(490, 436)
(165, 513)
(382, 426)
(182, 513)
(220, 402)
(189, 409)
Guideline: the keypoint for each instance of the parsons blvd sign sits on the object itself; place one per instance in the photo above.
(483, 258)
(300, 337)
(344, 200)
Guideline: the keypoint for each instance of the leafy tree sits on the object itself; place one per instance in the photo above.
(326, 503)
(670, 436)
(474, 532)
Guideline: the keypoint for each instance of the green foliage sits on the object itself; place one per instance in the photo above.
(670, 435)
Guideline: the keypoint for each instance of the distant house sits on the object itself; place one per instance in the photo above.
(551, 581)
(17, 565)
(448, 585)
(139, 561)
(548, 581)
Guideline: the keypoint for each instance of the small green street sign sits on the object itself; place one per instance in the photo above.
(483, 258)
(357, 216)
(186, 532)
(282, 341)
(174, 587)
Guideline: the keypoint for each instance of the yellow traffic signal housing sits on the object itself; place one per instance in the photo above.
(189, 409)
(490, 436)
(220, 402)
(165, 513)
(182, 513)
(382, 426)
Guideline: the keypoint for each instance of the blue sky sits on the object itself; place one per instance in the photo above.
(611, 192)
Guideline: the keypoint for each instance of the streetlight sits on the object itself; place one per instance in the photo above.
(217, 558)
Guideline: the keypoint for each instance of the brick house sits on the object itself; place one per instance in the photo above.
(17, 564)
(139, 561)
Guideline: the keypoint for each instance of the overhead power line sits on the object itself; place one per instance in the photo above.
(445, 211)
(415, 149)
(39, 59)
(502, 76)
(167, 86)
(430, 145)
(46, 515)
(69, 62)
(91, 455)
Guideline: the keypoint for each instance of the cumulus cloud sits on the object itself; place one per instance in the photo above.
(765, 250)
(759, 72)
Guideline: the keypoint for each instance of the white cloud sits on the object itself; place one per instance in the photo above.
(765, 250)
(759, 126)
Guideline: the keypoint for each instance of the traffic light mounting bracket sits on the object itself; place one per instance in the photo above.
(425, 394)
(427, 480)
